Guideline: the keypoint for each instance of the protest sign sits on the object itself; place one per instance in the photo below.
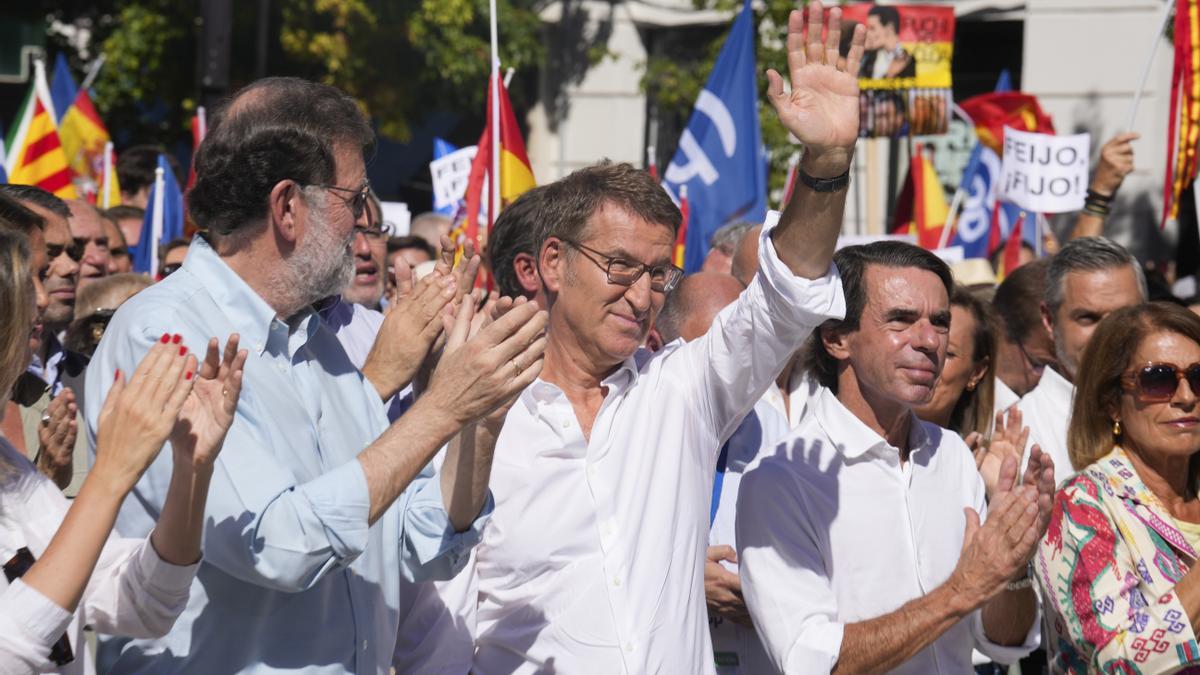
(1043, 173)
(450, 175)
(904, 80)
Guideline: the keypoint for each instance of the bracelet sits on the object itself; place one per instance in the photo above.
(1095, 208)
(1026, 580)
(1092, 195)
(835, 184)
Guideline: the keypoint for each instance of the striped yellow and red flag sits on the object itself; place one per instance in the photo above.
(516, 173)
(35, 153)
(681, 236)
(83, 138)
(1183, 130)
(921, 208)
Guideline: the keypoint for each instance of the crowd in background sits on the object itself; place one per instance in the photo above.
(307, 445)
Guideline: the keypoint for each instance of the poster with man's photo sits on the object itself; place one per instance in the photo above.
(904, 79)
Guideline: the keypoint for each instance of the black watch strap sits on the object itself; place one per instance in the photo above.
(825, 184)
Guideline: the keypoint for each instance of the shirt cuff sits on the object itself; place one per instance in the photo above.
(170, 578)
(37, 615)
(428, 534)
(808, 302)
(341, 501)
(1001, 653)
(817, 650)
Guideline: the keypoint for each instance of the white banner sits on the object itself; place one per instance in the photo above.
(450, 175)
(1043, 173)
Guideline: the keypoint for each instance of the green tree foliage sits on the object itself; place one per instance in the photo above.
(673, 85)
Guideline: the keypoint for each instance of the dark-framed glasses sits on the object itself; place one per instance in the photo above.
(74, 250)
(373, 231)
(1158, 382)
(624, 272)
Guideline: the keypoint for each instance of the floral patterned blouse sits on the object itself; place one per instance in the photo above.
(1107, 570)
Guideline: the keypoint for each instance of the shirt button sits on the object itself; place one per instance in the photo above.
(616, 581)
(566, 424)
(629, 646)
(364, 645)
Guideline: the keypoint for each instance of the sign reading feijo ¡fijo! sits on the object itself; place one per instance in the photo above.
(1043, 173)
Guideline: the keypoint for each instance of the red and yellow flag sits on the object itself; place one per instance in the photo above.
(35, 153)
(1011, 259)
(516, 174)
(992, 112)
(83, 139)
(1183, 131)
(681, 237)
(921, 208)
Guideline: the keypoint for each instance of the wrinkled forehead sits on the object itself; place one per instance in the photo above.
(912, 287)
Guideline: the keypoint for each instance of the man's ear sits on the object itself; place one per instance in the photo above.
(1047, 320)
(835, 342)
(552, 264)
(525, 267)
(654, 341)
(282, 205)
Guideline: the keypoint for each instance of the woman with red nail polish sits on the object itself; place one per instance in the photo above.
(62, 568)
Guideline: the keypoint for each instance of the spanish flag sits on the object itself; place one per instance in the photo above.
(35, 154)
(516, 174)
(921, 208)
(83, 139)
(992, 112)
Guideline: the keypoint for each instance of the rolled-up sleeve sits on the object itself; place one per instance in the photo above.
(30, 624)
(431, 549)
(751, 340)
(783, 572)
(135, 593)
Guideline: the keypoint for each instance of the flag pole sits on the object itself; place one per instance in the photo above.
(156, 219)
(1137, 95)
(93, 71)
(494, 180)
(106, 180)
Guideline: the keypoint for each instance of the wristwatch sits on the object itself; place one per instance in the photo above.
(834, 184)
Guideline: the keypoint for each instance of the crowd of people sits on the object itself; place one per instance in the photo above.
(309, 446)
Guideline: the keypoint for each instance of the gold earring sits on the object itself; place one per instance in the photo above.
(970, 386)
(1116, 428)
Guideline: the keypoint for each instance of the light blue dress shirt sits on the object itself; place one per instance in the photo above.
(292, 577)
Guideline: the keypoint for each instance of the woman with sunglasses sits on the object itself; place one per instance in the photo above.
(62, 568)
(1117, 567)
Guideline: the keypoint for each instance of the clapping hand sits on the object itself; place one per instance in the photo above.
(822, 108)
(137, 417)
(208, 412)
(411, 326)
(1008, 440)
(56, 438)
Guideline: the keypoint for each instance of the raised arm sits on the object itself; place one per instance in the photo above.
(1116, 162)
(822, 111)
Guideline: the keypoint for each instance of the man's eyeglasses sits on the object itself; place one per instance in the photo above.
(74, 250)
(1158, 382)
(373, 232)
(620, 271)
(357, 199)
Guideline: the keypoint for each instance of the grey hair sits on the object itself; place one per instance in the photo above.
(1087, 254)
(727, 237)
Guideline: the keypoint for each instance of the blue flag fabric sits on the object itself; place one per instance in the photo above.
(143, 254)
(720, 156)
(3, 158)
(62, 89)
(972, 230)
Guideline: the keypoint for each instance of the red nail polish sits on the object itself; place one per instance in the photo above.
(187, 375)
(182, 350)
(166, 338)
(177, 338)
(117, 375)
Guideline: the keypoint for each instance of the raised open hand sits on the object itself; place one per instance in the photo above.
(1008, 440)
(409, 331)
(137, 417)
(822, 108)
(478, 374)
(208, 412)
(464, 271)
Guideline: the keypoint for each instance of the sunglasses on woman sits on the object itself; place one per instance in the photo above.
(1157, 382)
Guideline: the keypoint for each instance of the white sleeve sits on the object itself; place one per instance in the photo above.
(783, 571)
(30, 624)
(135, 593)
(750, 341)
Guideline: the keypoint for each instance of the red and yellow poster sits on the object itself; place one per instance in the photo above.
(905, 75)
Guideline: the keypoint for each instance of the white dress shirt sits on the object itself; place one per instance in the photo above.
(737, 648)
(832, 529)
(593, 561)
(1047, 413)
(131, 592)
(1004, 397)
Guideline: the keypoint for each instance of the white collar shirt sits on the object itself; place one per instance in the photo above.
(832, 529)
(1004, 397)
(1047, 412)
(593, 561)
